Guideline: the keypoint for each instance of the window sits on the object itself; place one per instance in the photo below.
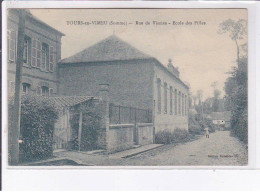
(38, 54)
(39, 91)
(26, 88)
(182, 112)
(11, 45)
(26, 50)
(171, 100)
(51, 92)
(51, 68)
(185, 105)
(159, 95)
(45, 91)
(34, 53)
(45, 57)
(165, 98)
(175, 101)
(179, 104)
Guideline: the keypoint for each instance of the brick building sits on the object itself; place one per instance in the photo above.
(42, 51)
(135, 79)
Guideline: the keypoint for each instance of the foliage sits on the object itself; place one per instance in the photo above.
(91, 126)
(236, 84)
(235, 29)
(236, 100)
(177, 136)
(38, 116)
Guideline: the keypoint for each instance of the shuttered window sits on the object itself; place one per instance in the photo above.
(34, 53)
(27, 51)
(38, 53)
(11, 45)
(51, 67)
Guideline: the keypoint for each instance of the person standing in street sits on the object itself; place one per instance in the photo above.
(207, 132)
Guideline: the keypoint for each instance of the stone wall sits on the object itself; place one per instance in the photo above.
(145, 133)
(120, 137)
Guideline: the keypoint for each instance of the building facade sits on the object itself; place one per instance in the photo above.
(135, 79)
(42, 51)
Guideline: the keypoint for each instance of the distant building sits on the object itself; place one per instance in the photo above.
(135, 79)
(42, 51)
(221, 118)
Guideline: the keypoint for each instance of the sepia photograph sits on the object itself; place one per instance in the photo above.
(127, 87)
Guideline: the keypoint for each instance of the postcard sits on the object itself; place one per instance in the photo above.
(127, 87)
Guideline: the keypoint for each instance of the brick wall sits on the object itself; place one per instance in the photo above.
(35, 76)
(130, 82)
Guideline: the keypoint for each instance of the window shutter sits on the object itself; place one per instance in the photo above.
(39, 91)
(39, 50)
(12, 45)
(51, 67)
(34, 53)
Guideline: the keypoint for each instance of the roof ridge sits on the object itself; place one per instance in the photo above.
(110, 48)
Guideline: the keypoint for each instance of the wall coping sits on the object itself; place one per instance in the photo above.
(144, 124)
(121, 126)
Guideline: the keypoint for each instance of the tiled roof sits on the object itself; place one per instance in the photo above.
(68, 101)
(109, 49)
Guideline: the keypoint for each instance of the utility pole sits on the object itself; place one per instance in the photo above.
(15, 126)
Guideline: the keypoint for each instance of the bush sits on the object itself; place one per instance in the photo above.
(167, 137)
(237, 100)
(38, 116)
(195, 129)
(91, 125)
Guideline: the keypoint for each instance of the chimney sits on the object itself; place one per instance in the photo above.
(172, 69)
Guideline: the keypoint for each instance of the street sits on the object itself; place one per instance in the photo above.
(220, 149)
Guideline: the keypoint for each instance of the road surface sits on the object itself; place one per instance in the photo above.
(220, 149)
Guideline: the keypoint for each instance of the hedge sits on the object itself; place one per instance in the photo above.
(38, 116)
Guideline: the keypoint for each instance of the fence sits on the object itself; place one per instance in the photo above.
(128, 115)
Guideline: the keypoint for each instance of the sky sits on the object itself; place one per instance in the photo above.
(202, 55)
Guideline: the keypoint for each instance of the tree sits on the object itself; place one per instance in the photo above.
(237, 31)
(236, 99)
